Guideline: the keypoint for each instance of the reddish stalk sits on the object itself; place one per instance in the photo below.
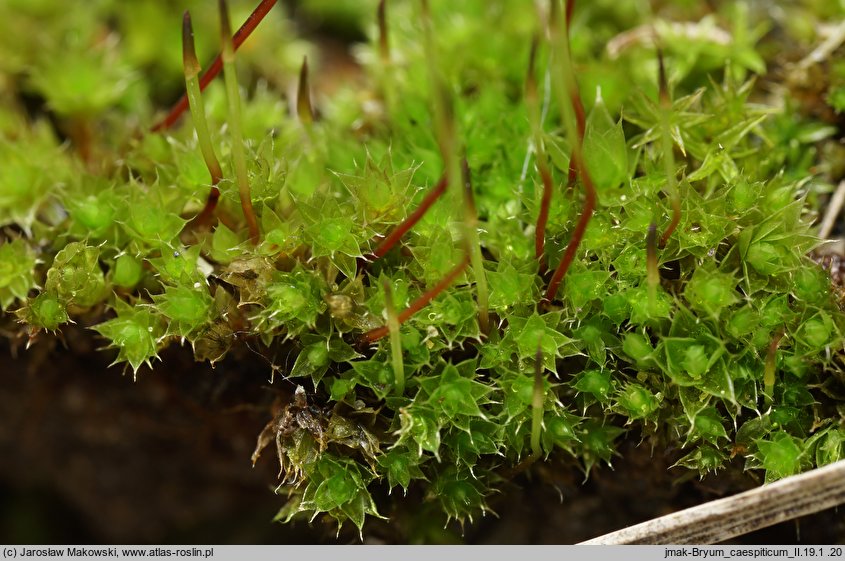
(575, 100)
(443, 109)
(578, 234)
(533, 103)
(673, 224)
(374, 335)
(662, 82)
(580, 114)
(206, 215)
(577, 165)
(217, 64)
(446, 128)
(393, 238)
(572, 176)
(581, 124)
(81, 134)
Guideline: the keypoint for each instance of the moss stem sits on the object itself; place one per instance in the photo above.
(386, 82)
(474, 248)
(652, 272)
(537, 400)
(233, 96)
(532, 102)
(216, 65)
(668, 152)
(383, 36)
(304, 109)
(396, 234)
(192, 87)
(770, 367)
(395, 340)
(442, 107)
(572, 114)
(375, 334)
(444, 120)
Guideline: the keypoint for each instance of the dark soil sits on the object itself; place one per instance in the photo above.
(89, 456)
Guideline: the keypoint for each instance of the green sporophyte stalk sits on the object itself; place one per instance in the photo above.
(624, 263)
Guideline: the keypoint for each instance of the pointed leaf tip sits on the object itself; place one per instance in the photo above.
(189, 54)
(383, 38)
(662, 82)
(304, 109)
(530, 79)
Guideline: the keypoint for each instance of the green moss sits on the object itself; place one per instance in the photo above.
(102, 229)
(17, 271)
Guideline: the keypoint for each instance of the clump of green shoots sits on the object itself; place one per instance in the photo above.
(421, 335)
(418, 304)
(389, 241)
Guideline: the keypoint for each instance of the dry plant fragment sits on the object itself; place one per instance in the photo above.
(646, 35)
(723, 519)
(831, 214)
(295, 420)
